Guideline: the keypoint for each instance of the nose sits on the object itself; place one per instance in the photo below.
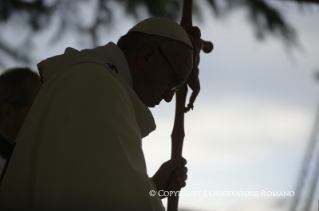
(168, 95)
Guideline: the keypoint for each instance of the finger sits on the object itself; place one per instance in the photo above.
(175, 163)
(184, 161)
(182, 184)
(181, 177)
(179, 161)
(181, 171)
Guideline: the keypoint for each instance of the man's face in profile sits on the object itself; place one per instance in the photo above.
(167, 74)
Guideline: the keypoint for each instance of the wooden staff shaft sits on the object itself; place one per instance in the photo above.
(186, 21)
(177, 136)
(178, 132)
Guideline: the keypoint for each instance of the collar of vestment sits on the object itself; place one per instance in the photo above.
(116, 64)
(114, 54)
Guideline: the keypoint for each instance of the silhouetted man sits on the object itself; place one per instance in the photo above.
(80, 147)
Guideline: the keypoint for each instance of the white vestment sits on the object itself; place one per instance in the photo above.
(80, 145)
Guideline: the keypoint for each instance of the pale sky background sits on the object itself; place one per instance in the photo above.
(253, 117)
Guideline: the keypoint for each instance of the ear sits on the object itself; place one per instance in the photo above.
(7, 113)
(147, 55)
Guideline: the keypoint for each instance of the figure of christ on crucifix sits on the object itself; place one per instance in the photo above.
(80, 146)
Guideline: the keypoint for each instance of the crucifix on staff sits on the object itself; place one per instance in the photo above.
(80, 146)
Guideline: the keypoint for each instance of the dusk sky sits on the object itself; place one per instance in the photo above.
(253, 117)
